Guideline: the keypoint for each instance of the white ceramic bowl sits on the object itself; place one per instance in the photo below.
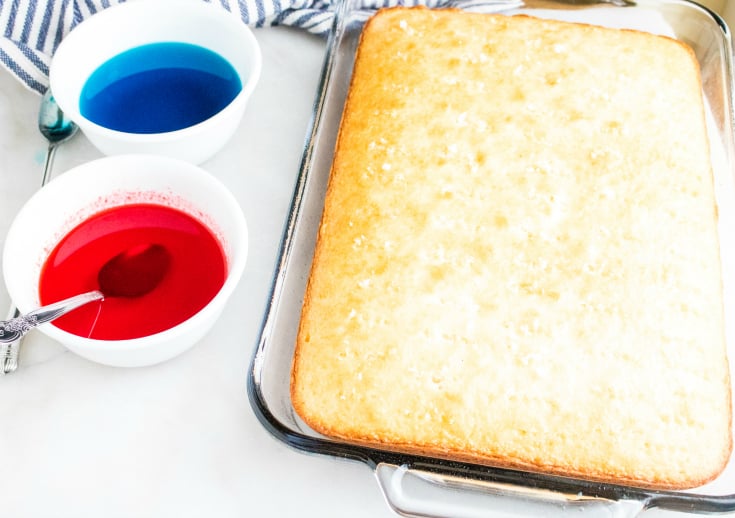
(135, 23)
(109, 182)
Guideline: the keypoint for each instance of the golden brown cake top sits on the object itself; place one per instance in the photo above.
(518, 260)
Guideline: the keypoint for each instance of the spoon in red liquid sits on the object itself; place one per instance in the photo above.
(131, 273)
(134, 272)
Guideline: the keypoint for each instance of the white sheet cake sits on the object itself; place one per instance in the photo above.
(518, 260)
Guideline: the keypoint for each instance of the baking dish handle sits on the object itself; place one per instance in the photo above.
(420, 493)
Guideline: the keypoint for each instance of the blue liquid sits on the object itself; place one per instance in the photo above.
(159, 87)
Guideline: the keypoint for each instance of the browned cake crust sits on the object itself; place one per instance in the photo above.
(518, 261)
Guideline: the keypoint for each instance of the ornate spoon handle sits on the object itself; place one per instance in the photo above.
(13, 329)
(9, 352)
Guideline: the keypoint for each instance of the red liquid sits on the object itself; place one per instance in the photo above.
(196, 272)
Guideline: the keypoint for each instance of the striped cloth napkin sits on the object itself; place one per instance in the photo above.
(32, 29)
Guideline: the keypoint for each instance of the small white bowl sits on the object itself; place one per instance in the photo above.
(133, 24)
(109, 182)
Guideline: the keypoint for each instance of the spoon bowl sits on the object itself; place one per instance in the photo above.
(134, 272)
(53, 123)
(56, 127)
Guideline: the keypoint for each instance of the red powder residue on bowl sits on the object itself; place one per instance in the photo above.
(196, 273)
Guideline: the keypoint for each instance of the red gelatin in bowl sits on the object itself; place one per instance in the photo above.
(196, 272)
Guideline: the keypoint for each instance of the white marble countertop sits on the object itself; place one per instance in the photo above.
(178, 439)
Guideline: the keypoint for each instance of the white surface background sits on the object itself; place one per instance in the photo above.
(178, 439)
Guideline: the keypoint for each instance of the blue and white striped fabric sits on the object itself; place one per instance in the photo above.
(32, 29)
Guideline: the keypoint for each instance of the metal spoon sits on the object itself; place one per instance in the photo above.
(11, 331)
(131, 273)
(56, 128)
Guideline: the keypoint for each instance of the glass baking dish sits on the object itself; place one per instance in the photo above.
(422, 486)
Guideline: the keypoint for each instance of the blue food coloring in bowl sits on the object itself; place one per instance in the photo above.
(159, 87)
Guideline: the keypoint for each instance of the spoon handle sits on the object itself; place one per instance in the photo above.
(13, 329)
(56, 128)
(48, 164)
(11, 352)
